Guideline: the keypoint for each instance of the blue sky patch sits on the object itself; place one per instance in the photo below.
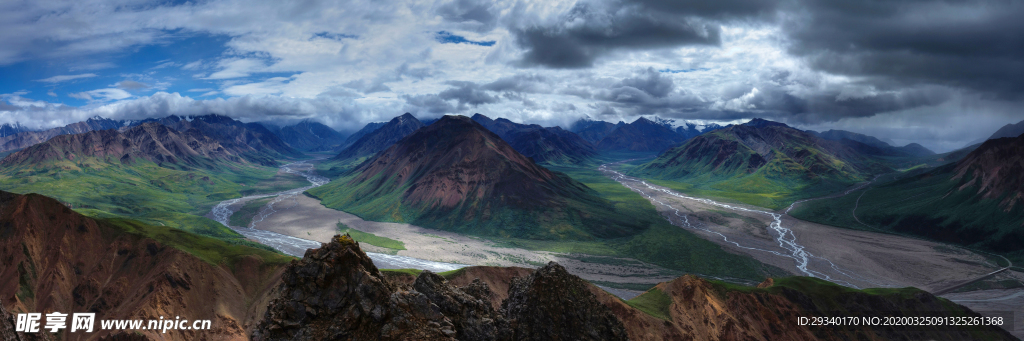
(683, 70)
(446, 37)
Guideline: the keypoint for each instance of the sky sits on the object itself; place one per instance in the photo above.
(938, 73)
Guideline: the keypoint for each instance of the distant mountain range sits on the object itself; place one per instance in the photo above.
(23, 138)
(457, 175)
(643, 135)
(368, 128)
(882, 148)
(381, 138)
(550, 145)
(310, 136)
(150, 141)
(8, 129)
(594, 131)
(260, 144)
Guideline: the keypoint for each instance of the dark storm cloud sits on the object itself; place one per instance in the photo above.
(976, 45)
(466, 93)
(590, 30)
(473, 14)
(433, 104)
(529, 83)
(651, 82)
(721, 9)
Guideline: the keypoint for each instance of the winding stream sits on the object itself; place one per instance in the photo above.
(297, 246)
(785, 238)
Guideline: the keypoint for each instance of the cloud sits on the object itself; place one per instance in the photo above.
(237, 68)
(131, 85)
(593, 29)
(65, 78)
(51, 93)
(651, 82)
(466, 93)
(973, 45)
(109, 94)
(92, 66)
(476, 15)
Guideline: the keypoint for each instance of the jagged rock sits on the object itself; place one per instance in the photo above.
(473, 316)
(768, 283)
(553, 305)
(336, 293)
(7, 333)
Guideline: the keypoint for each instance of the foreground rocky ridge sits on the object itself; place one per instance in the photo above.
(336, 292)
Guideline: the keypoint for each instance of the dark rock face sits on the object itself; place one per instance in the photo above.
(336, 293)
(473, 316)
(551, 304)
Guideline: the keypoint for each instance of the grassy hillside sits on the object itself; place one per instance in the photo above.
(655, 241)
(926, 203)
(147, 192)
(215, 251)
(721, 165)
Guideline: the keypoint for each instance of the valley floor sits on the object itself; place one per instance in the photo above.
(304, 217)
(849, 257)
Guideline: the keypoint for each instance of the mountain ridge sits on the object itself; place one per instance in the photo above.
(552, 145)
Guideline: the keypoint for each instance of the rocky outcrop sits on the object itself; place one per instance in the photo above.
(553, 305)
(336, 293)
(468, 308)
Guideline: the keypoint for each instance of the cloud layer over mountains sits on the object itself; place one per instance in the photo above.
(911, 71)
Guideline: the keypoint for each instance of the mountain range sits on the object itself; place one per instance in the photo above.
(310, 136)
(767, 159)
(544, 145)
(456, 175)
(642, 135)
(23, 138)
(381, 138)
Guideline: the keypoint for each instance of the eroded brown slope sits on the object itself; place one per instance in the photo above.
(150, 141)
(54, 259)
(995, 169)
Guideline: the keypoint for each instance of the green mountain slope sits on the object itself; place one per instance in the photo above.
(762, 163)
(149, 172)
(974, 202)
